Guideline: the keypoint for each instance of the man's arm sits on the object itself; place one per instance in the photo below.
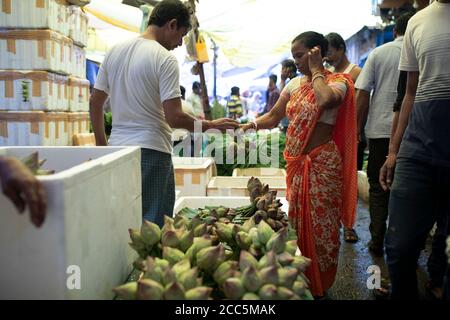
(362, 108)
(96, 103)
(176, 118)
(387, 171)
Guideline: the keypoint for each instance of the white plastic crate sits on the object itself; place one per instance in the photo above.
(37, 50)
(237, 186)
(259, 172)
(78, 94)
(34, 128)
(35, 14)
(78, 25)
(33, 91)
(79, 122)
(363, 186)
(93, 199)
(230, 202)
(192, 175)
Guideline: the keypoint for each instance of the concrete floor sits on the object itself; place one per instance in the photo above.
(354, 259)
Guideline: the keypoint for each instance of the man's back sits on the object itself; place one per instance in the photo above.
(380, 74)
(138, 75)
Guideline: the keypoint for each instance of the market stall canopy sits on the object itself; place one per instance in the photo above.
(252, 33)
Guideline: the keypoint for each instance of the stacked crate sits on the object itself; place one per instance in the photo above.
(44, 94)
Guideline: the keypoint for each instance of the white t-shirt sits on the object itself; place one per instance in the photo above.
(380, 76)
(139, 75)
(426, 49)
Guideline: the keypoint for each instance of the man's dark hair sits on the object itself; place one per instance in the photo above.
(289, 64)
(195, 85)
(274, 78)
(310, 39)
(167, 10)
(235, 91)
(402, 22)
(336, 41)
(183, 92)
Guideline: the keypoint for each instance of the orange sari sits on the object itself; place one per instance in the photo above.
(321, 185)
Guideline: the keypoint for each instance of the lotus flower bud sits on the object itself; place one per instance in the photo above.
(250, 296)
(250, 223)
(301, 263)
(174, 291)
(167, 276)
(186, 241)
(291, 247)
(151, 270)
(299, 288)
(149, 290)
(251, 279)
(162, 263)
(172, 255)
(196, 221)
(200, 293)
(287, 276)
(264, 232)
(253, 234)
(168, 224)
(135, 237)
(256, 252)
(233, 288)
(225, 232)
(268, 260)
(268, 292)
(284, 293)
(243, 240)
(169, 239)
(285, 259)
(246, 260)
(181, 267)
(225, 271)
(127, 291)
(200, 230)
(181, 221)
(189, 278)
(269, 275)
(236, 229)
(150, 233)
(209, 258)
(277, 242)
(139, 264)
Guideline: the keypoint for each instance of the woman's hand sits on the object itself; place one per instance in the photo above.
(315, 60)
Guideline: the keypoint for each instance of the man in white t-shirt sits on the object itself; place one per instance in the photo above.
(420, 148)
(196, 101)
(379, 76)
(141, 77)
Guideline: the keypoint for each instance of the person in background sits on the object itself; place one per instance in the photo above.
(272, 93)
(320, 155)
(196, 100)
(419, 150)
(234, 104)
(288, 72)
(141, 76)
(379, 77)
(185, 105)
(23, 189)
(339, 62)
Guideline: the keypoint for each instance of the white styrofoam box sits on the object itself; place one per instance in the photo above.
(93, 199)
(192, 175)
(78, 26)
(79, 122)
(177, 194)
(78, 94)
(363, 186)
(33, 90)
(254, 172)
(230, 202)
(237, 186)
(36, 50)
(78, 62)
(33, 128)
(35, 14)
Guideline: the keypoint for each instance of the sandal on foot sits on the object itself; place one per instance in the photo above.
(350, 235)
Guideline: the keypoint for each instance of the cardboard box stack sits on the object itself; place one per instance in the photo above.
(44, 94)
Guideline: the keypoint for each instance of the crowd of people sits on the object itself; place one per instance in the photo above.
(326, 111)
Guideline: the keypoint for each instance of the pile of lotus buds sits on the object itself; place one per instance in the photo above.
(196, 260)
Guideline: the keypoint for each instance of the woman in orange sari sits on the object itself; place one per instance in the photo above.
(320, 155)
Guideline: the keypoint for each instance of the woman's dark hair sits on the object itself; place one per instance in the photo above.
(336, 41)
(167, 10)
(310, 39)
